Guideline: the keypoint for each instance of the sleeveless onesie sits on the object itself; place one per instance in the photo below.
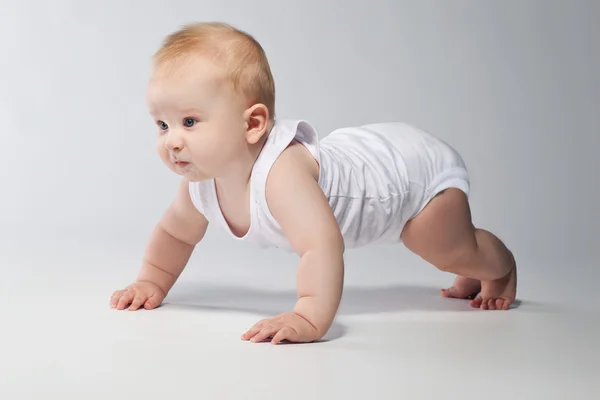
(376, 178)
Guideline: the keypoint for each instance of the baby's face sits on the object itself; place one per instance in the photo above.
(200, 125)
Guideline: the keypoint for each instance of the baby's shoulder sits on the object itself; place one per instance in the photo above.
(295, 158)
(296, 166)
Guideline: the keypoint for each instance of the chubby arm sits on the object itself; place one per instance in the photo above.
(303, 212)
(172, 241)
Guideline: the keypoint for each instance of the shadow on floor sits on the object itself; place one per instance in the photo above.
(355, 300)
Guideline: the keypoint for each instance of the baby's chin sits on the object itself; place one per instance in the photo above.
(192, 176)
(195, 178)
(189, 172)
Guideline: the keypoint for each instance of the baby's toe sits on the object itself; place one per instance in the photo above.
(453, 293)
(492, 304)
(476, 302)
(500, 304)
(484, 304)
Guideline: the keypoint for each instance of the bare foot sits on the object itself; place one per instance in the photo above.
(462, 288)
(498, 294)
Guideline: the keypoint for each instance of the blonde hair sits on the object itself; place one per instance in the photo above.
(242, 57)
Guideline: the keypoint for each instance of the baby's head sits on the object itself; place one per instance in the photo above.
(212, 95)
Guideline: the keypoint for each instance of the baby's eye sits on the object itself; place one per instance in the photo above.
(162, 125)
(189, 122)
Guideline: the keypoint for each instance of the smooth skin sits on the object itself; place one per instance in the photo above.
(208, 131)
(217, 135)
(303, 212)
(443, 234)
(169, 249)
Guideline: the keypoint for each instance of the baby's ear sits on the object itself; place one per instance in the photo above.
(257, 122)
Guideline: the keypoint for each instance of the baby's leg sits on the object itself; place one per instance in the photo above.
(443, 235)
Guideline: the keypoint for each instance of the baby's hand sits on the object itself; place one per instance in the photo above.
(140, 293)
(288, 326)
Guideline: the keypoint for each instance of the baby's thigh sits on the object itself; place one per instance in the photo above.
(442, 233)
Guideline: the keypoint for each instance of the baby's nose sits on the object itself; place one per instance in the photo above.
(173, 143)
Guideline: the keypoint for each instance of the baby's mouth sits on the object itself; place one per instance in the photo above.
(180, 163)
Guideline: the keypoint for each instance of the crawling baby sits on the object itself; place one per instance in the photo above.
(272, 182)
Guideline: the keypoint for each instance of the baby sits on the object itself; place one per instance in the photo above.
(272, 182)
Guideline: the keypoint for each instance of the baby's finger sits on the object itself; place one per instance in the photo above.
(253, 331)
(114, 299)
(250, 333)
(138, 300)
(286, 333)
(125, 300)
(265, 333)
(152, 302)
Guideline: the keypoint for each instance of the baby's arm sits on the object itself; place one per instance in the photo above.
(173, 241)
(304, 214)
(169, 249)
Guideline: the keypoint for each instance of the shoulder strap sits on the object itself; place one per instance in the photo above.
(279, 139)
(201, 197)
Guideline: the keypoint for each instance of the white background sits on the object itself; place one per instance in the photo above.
(513, 85)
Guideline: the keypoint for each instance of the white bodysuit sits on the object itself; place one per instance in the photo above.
(376, 178)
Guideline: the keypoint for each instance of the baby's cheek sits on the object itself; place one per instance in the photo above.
(164, 155)
(160, 148)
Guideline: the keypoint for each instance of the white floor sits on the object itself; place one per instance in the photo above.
(395, 338)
